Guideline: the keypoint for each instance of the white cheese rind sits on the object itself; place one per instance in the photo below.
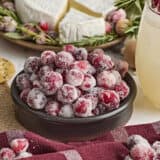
(50, 11)
(76, 25)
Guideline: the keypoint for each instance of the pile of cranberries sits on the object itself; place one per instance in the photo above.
(73, 82)
(18, 150)
(140, 149)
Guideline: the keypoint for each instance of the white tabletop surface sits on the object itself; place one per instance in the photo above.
(144, 112)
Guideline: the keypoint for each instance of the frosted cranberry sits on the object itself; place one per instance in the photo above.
(32, 64)
(122, 89)
(108, 27)
(7, 154)
(80, 54)
(142, 152)
(69, 48)
(102, 62)
(156, 146)
(91, 69)
(36, 99)
(88, 83)
(93, 98)
(48, 58)
(24, 94)
(83, 107)
(110, 99)
(117, 76)
(51, 82)
(79, 92)
(19, 145)
(83, 66)
(106, 80)
(64, 59)
(33, 77)
(100, 109)
(74, 77)
(52, 108)
(23, 155)
(66, 111)
(94, 54)
(37, 84)
(67, 94)
(43, 70)
(128, 158)
(136, 139)
(23, 82)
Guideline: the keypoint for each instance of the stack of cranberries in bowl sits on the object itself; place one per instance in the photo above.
(72, 83)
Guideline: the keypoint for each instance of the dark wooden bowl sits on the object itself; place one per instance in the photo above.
(73, 129)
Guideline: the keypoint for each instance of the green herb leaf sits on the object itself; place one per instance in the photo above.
(15, 35)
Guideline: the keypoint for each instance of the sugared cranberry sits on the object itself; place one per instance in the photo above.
(32, 64)
(67, 94)
(83, 107)
(66, 111)
(117, 76)
(91, 69)
(37, 84)
(69, 48)
(36, 99)
(48, 58)
(7, 154)
(51, 82)
(80, 54)
(142, 152)
(110, 99)
(156, 146)
(122, 89)
(108, 27)
(44, 26)
(43, 70)
(83, 66)
(136, 139)
(100, 109)
(23, 155)
(74, 77)
(96, 90)
(93, 98)
(24, 94)
(106, 80)
(64, 59)
(52, 108)
(19, 145)
(94, 54)
(23, 81)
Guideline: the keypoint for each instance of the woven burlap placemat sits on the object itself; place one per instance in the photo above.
(7, 115)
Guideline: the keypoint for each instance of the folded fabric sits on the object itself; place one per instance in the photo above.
(109, 147)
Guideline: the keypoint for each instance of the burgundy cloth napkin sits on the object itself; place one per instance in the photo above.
(109, 147)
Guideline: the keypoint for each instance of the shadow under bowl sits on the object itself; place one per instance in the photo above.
(73, 129)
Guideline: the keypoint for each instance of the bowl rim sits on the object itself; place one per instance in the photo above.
(76, 120)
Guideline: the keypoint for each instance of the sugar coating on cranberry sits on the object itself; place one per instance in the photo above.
(19, 145)
(156, 146)
(32, 64)
(52, 108)
(7, 154)
(48, 58)
(64, 59)
(74, 77)
(43, 70)
(83, 107)
(67, 94)
(136, 139)
(93, 98)
(51, 82)
(110, 99)
(106, 80)
(142, 152)
(122, 89)
(89, 82)
(69, 48)
(83, 66)
(66, 111)
(23, 155)
(24, 94)
(117, 76)
(91, 69)
(36, 99)
(80, 54)
(23, 81)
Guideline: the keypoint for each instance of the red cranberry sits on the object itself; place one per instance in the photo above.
(83, 107)
(110, 99)
(80, 54)
(108, 27)
(24, 94)
(74, 77)
(69, 48)
(52, 108)
(7, 154)
(67, 94)
(64, 59)
(44, 26)
(43, 70)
